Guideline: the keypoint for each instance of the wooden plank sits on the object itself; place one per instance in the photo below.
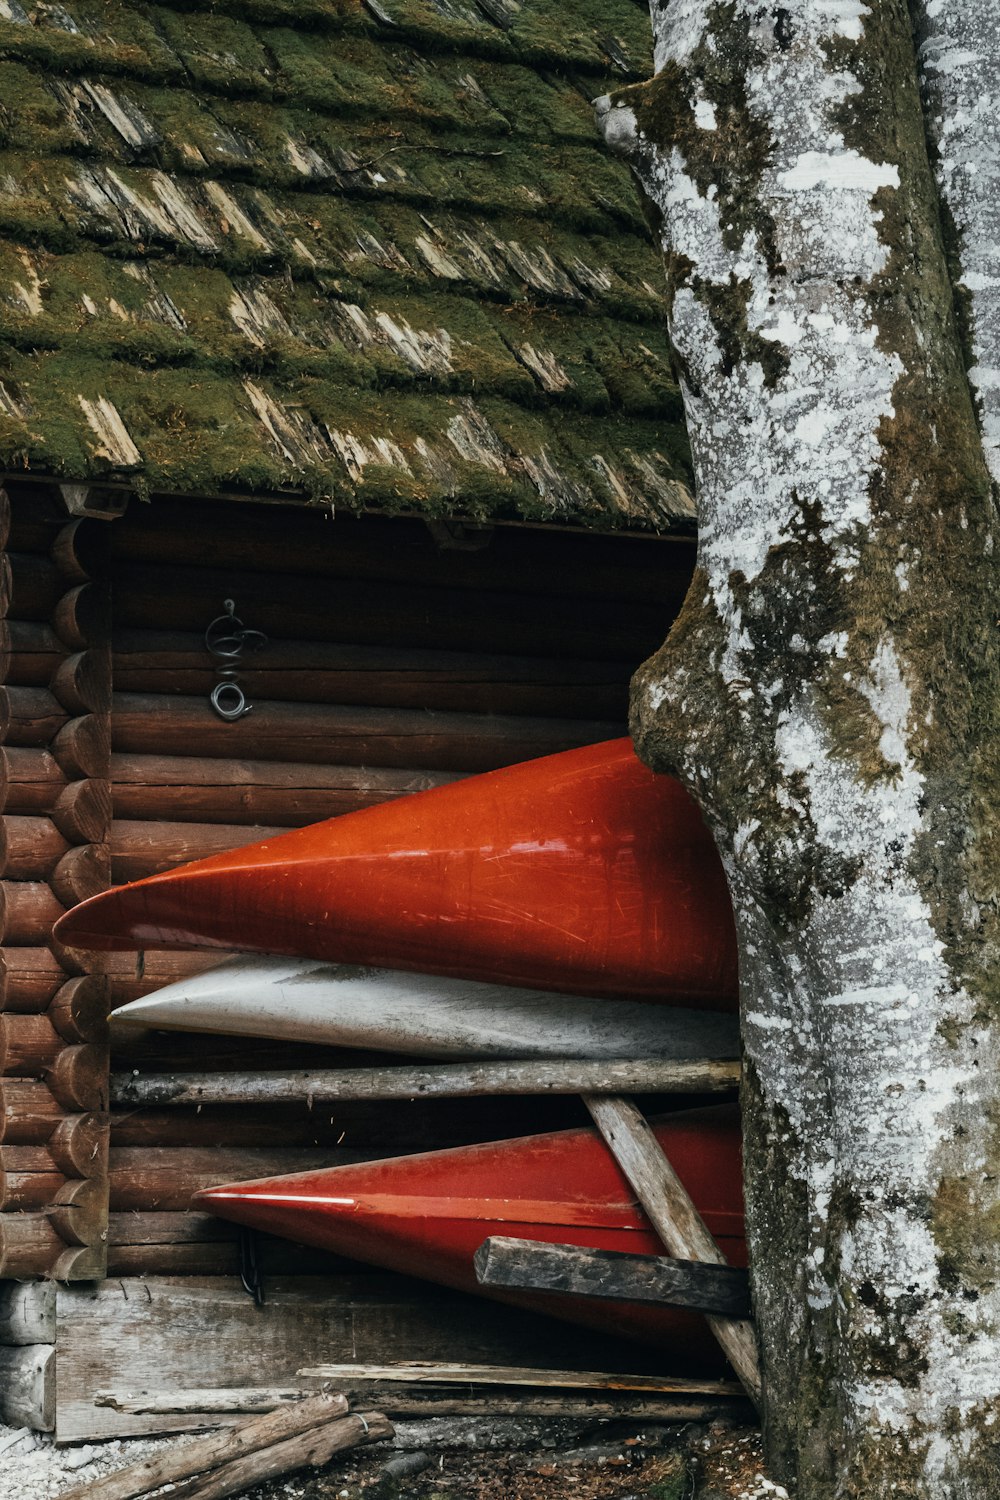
(449, 1372)
(324, 734)
(28, 1386)
(204, 789)
(673, 1216)
(195, 1331)
(609, 1274)
(443, 1081)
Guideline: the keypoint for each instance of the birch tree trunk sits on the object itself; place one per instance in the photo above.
(830, 691)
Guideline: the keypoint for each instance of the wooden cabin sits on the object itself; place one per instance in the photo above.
(340, 311)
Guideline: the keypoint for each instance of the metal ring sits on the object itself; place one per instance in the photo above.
(228, 700)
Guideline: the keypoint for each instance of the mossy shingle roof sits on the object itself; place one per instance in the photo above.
(372, 251)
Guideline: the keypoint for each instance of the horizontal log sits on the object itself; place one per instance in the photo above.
(353, 610)
(33, 587)
(82, 1263)
(79, 1145)
(83, 746)
(35, 652)
(243, 1400)
(31, 847)
(27, 1192)
(82, 811)
(163, 1180)
(196, 789)
(322, 734)
(82, 682)
(434, 1372)
(129, 978)
(28, 910)
(443, 1081)
(29, 978)
(28, 1045)
(214, 1258)
(31, 715)
(82, 616)
(139, 849)
(81, 873)
(29, 1112)
(378, 676)
(29, 1245)
(608, 1274)
(401, 1402)
(32, 779)
(79, 1009)
(403, 550)
(5, 651)
(28, 1387)
(78, 1077)
(28, 1313)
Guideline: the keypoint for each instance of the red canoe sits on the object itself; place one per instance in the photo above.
(580, 872)
(427, 1215)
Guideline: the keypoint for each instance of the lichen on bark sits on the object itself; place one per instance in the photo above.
(830, 693)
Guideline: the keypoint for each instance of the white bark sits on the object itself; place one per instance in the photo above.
(875, 1059)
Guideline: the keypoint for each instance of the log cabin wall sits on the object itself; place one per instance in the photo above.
(393, 664)
(57, 814)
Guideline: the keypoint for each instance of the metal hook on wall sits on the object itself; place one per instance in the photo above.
(227, 638)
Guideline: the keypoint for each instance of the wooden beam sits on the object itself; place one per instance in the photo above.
(440, 1372)
(28, 1386)
(673, 1216)
(502, 1261)
(442, 1081)
(27, 1312)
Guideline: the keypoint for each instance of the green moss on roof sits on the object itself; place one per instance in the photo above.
(371, 252)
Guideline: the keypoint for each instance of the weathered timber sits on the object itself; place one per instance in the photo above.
(235, 1400)
(181, 788)
(28, 910)
(26, 1192)
(402, 550)
(29, 1244)
(673, 1216)
(28, 1045)
(348, 609)
(28, 1386)
(113, 1335)
(82, 682)
(30, 977)
(215, 1258)
(79, 1145)
(78, 1077)
(319, 733)
(83, 746)
(128, 978)
(78, 551)
(32, 779)
(79, 1211)
(164, 1178)
(508, 1262)
(139, 848)
(377, 676)
(5, 651)
(434, 1372)
(443, 1081)
(312, 1449)
(82, 811)
(35, 652)
(32, 847)
(34, 586)
(199, 1454)
(80, 617)
(31, 715)
(29, 1112)
(28, 1313)
(79, 1008)
(81, 872)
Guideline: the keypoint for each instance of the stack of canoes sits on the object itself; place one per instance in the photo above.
(568, 907)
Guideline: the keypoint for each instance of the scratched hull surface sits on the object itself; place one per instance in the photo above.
(581, 872)
(427, 1215)
(341, 1005)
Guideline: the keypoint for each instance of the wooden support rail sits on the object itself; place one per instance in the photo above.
(444, 1081)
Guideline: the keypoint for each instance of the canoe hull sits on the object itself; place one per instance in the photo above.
(423, 1015)
(581, 872)
(427, 1215)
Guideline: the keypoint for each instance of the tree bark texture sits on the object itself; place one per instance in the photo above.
(830, 694)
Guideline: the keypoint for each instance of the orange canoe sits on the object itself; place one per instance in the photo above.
(582, 872)
(427, 1215)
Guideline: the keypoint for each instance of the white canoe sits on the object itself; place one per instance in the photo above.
(340, 1005)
